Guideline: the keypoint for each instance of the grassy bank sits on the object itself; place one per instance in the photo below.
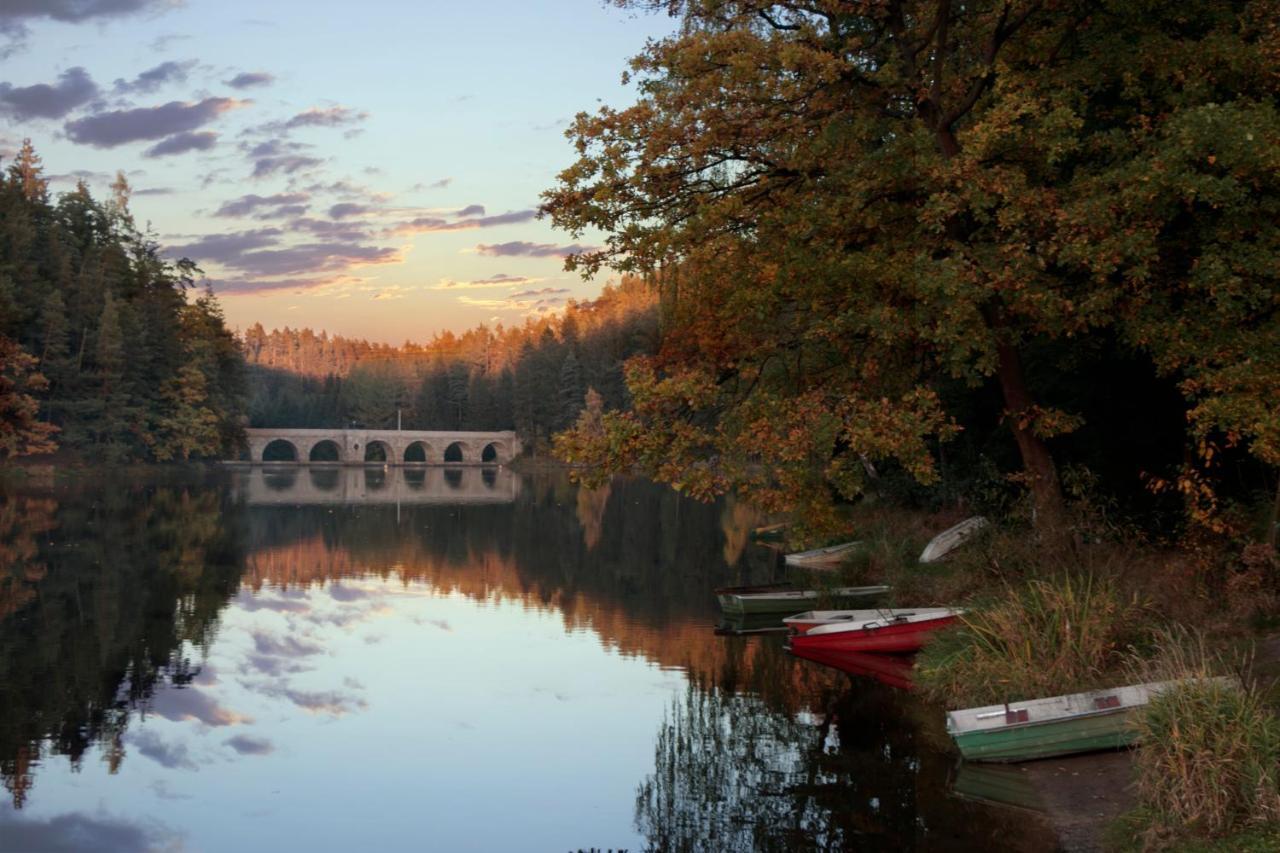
(1095, 607)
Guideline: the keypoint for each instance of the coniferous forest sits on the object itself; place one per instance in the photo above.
(102, 346)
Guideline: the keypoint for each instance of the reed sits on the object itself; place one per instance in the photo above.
(1209, 766)
(1044, 638)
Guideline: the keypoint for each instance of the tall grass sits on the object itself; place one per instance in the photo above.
(1209, 765)
(1044, 638)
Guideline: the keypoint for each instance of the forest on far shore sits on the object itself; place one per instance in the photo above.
(532, 378)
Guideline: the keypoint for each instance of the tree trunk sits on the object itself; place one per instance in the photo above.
(1046, 495)
(1273, 525)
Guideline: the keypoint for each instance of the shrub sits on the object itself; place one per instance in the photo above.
(1209, 765)
(1045, 638)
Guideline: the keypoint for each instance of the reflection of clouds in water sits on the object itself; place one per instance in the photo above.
(286, 603)
(249, 745)
(174, 756)
(342, 592)
(347, 616)
(289, 647)
(162, 790)
(75, 832)
(442, 624)
(272, 666)
(186, 703)
(207, 677)
(332, 702)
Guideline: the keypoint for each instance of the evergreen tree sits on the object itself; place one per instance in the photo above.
(571, 391)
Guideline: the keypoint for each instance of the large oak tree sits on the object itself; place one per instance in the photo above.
(848, 203)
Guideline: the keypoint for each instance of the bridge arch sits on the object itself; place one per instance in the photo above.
(280, 450)
(491, 454)
(325, 450)
(417, 452)
(456, 452)
(377, 450)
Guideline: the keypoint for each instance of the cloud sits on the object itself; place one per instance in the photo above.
(186, 703)
(545, 291)
(117, 127)
(315, 117)
(471, 210)
(248, 286)
(348, 208)
(155, 191)
(499, 280)
(74, 831)
(13, 12)
(180, 143)
(246, 745)
(73, 89)
(286, 165)
(220, 247)
(246, 205)
(172, 755)
(521, 248)
(425, 224)
(327, 117)
(153, 78)
(249, 79)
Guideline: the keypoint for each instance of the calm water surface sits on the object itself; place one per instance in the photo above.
(359, 659)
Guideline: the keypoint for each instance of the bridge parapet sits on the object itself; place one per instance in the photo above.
(396, 447)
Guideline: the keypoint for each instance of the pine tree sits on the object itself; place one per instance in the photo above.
(571, 391)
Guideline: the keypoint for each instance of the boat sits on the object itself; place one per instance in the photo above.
(1057, 725)
(951, 538)
(832, 555)
(878, 630)
(785, 599)
(801, 623)
(893, 670)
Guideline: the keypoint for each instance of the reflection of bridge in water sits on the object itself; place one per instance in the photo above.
(328, 484)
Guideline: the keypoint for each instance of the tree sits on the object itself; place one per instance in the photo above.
(571, 391)
(848, 206)
(21, 432)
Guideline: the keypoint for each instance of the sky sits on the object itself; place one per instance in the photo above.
(368, 169)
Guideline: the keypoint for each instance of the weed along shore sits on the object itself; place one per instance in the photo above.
(1129, 715)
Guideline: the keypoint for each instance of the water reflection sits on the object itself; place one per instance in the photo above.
(335, 485)
(263, 634)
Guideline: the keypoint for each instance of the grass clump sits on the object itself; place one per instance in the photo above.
(1209, 766)
(1045, 638)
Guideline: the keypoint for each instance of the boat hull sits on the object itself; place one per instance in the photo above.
(909, 637)
(758, 604)
(1050, 738)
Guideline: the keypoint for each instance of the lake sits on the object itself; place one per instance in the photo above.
(311, 658)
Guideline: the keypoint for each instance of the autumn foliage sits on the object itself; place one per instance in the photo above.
(875, 225)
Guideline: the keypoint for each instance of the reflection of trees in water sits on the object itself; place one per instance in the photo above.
(732, 772)
(136, 574)
(23, 522)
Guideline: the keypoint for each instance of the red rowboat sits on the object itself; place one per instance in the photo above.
(879, 631)
(893, 670)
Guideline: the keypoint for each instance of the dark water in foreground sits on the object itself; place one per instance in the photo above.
(352, 659)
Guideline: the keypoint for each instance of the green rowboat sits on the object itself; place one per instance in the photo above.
(786, 599)
(1058, 725)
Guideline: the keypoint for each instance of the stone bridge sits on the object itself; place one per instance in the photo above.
(386, 446)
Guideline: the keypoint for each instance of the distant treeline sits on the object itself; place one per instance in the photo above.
(100, 346)
(532, 378)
